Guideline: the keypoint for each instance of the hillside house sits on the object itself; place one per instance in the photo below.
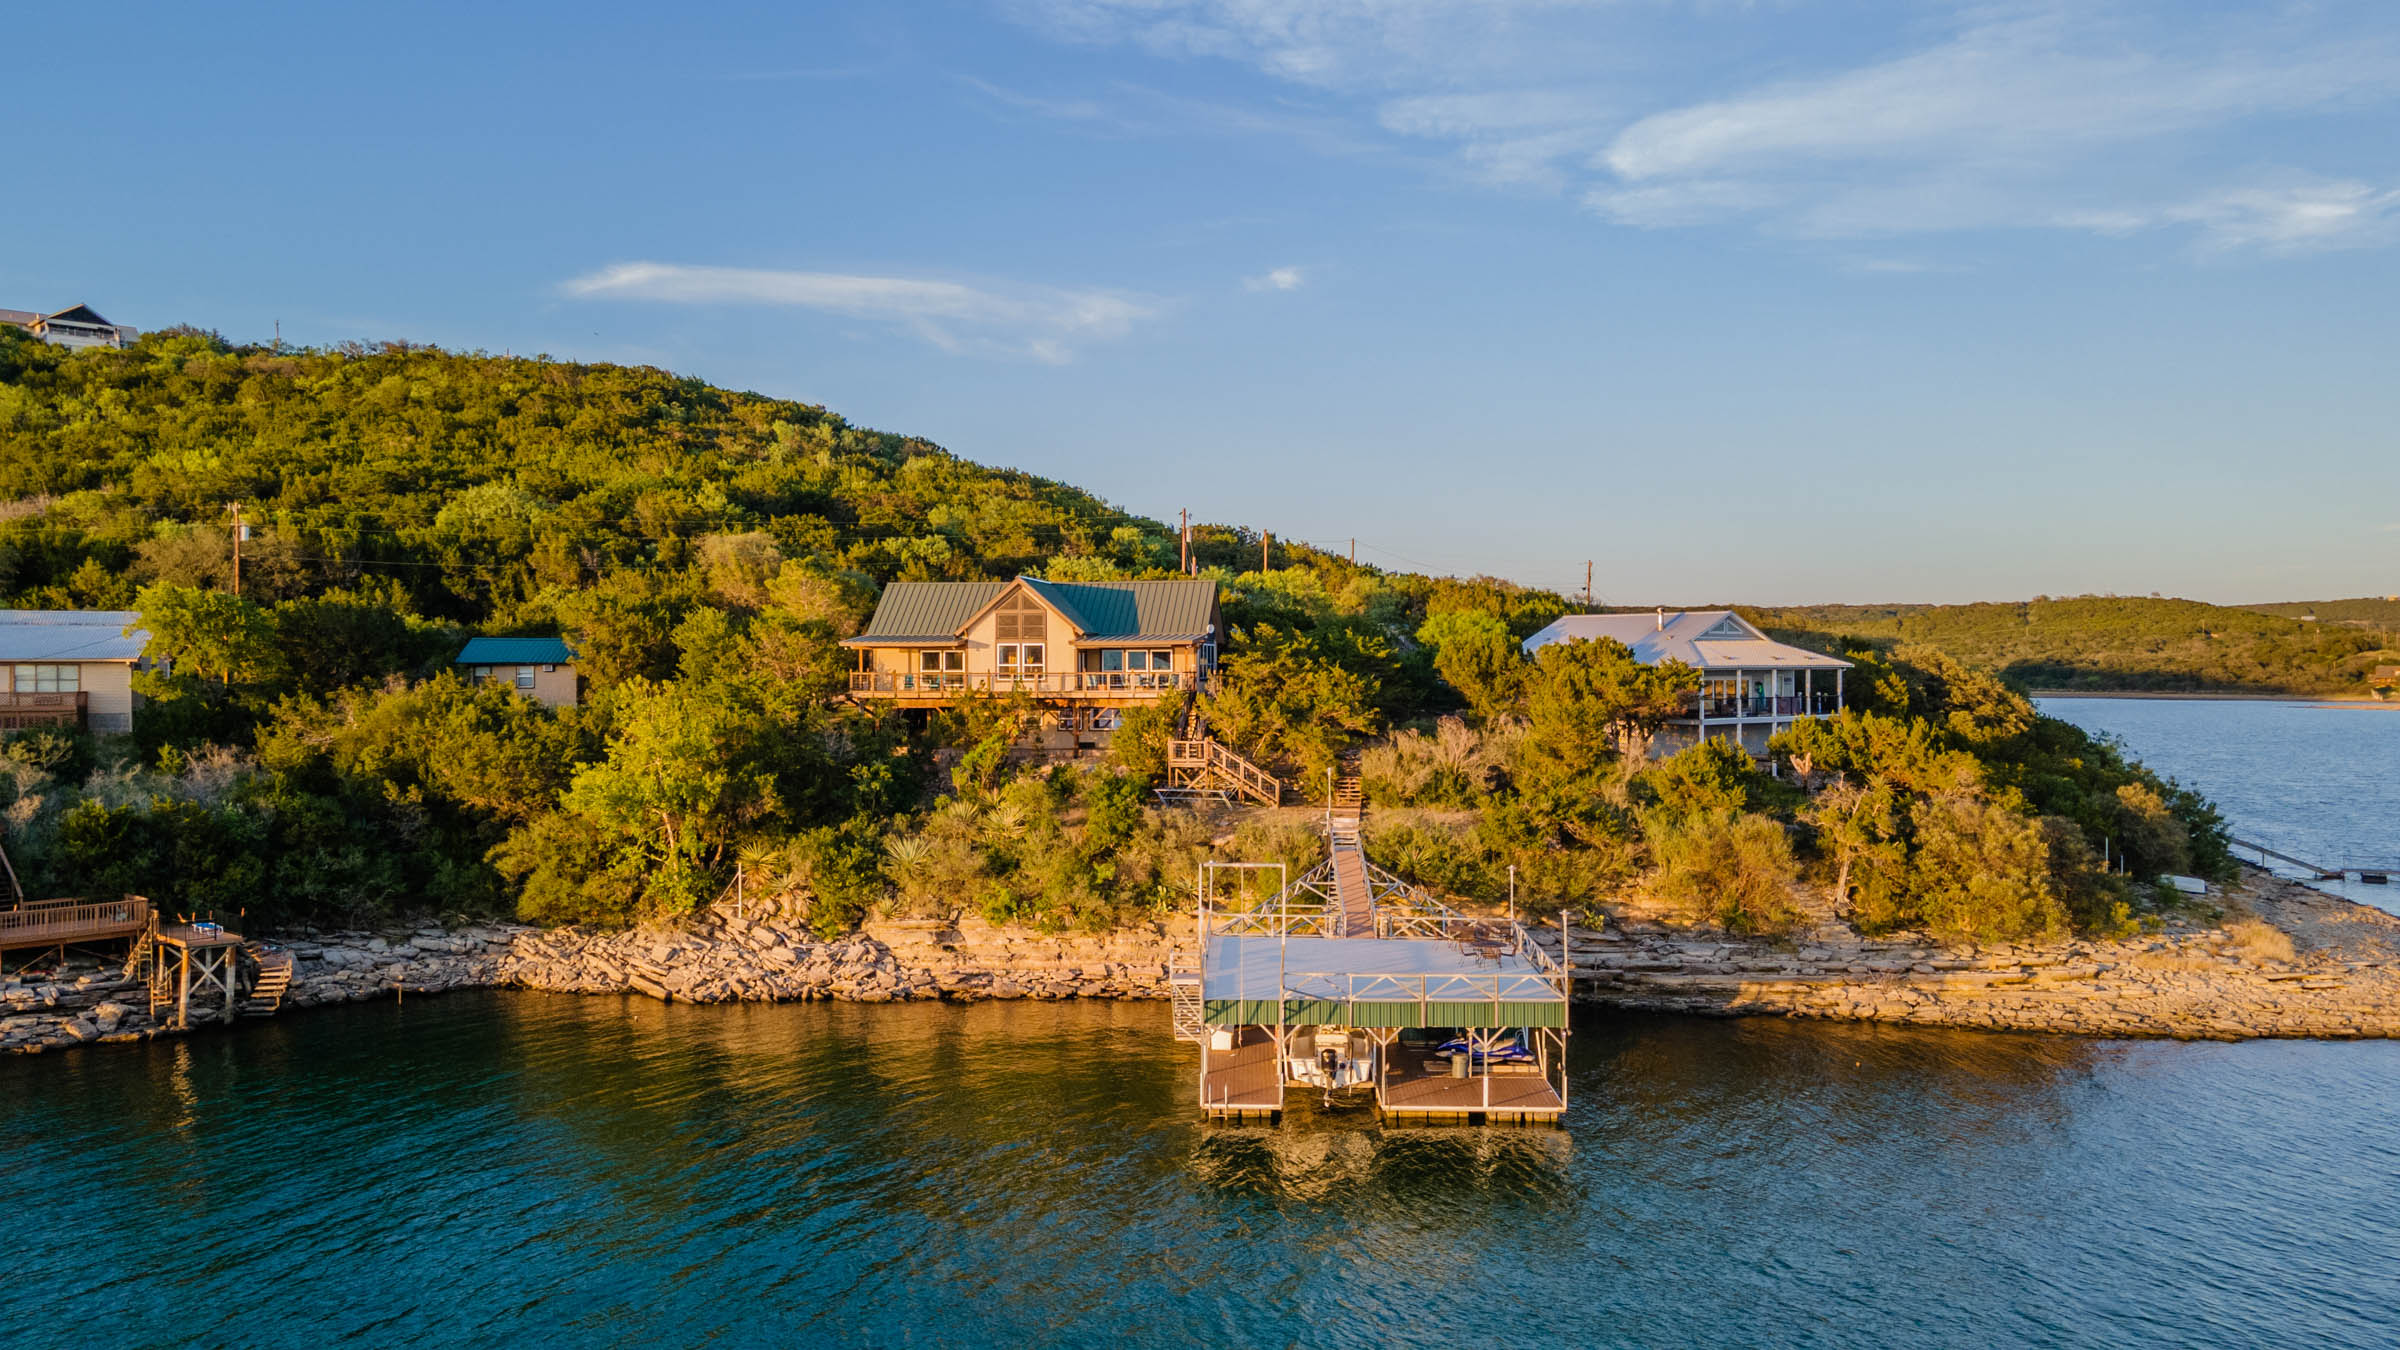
(1751, 686)
(1082, 651)
(80, 326)
(538, 667)
(69, 668)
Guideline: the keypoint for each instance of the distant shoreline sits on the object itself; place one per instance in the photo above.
(2345, 700)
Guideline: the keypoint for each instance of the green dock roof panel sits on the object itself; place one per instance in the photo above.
(515, 651)
(1120, 611)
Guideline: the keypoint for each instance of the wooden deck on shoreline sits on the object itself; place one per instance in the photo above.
(62, 923)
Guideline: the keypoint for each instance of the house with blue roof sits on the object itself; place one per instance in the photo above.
(537, 667)
(1081, 651)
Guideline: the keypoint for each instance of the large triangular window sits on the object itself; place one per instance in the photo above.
(1727, 629)
(1021, 618)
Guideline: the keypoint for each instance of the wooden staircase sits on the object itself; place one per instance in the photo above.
(274, 980)
(1200, 768)
(139, 953)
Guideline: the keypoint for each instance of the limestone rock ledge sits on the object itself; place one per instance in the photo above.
(2341, 979)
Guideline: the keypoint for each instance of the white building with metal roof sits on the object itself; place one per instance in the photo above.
(1751, 686)
(69, 667)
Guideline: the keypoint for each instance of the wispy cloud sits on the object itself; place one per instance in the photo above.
(1278, 279)
(1043, 322)
(2107, 115)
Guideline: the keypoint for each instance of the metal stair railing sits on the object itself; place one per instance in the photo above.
(1183, 989)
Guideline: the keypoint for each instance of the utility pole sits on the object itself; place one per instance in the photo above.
(1263, 537)
(1354, 550)
(238, 531)
(1587, 583)
(1183, 536)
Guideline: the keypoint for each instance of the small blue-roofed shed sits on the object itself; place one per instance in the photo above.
(538, 667)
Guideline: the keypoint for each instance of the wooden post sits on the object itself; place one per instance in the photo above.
(226, 972)
(183, 989)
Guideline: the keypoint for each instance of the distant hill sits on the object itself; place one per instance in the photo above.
(2370, 611)
(2120, 644)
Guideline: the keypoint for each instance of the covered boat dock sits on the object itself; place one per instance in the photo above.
(1440, 1015)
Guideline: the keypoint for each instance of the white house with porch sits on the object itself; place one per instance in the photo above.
(1751, 686)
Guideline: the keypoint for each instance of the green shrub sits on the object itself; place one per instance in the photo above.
(1728, 869)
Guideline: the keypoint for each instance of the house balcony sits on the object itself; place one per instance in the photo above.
(1775, 707)
(1096, 685)
(19, 711)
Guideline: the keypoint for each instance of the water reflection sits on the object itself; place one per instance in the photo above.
(483, 1169)
(1314, 1158)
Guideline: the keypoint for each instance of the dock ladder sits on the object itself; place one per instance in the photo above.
(1183, 987)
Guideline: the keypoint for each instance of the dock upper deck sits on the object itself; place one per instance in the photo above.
(1379, 982)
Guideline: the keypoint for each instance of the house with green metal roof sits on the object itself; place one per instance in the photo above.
(1081, 651)
(537, 667)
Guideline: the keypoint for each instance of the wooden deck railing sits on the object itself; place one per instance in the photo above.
(1054, 684)
(1188, 761)
(47, 923)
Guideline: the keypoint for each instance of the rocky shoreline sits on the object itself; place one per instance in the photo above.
(2339, 977)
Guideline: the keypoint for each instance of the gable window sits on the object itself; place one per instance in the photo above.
(48, 679)
(1020, 618)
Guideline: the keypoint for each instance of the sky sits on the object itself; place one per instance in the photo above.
(1767, 302)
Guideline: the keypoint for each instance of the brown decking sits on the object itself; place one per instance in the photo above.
(1416, 1084)
(1351, 893)
(1247, 1078)
(59, 923)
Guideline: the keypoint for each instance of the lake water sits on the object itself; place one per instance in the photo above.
(2319, 781)
(499, 1169)
(504, 1169)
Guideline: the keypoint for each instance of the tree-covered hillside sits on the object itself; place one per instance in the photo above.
(2114, 643)
(310, 753)
(2367, 611)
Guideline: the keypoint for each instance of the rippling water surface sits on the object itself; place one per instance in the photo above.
(513, 1168)
(2319, 781)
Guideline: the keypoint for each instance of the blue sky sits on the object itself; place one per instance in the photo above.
(1769, 302)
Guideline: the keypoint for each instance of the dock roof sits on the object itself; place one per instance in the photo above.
(1372, 982)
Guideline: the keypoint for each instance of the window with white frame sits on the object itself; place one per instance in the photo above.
(48, 679)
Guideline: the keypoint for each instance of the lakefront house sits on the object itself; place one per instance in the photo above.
(77, 326)
(540, 668)
(1751, 686)
(69, 668)
(1082, 651)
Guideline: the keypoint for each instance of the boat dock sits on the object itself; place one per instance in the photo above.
(1354, 983)
(2373, 874)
